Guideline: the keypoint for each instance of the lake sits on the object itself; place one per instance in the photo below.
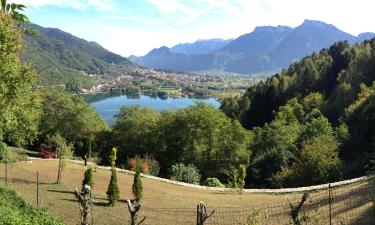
(109, 105)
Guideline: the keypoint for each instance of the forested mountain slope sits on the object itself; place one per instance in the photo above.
(324, 101)
(61, 58)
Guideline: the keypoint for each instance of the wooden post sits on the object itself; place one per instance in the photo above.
(330, 203)
(6, 173)
(134, 206)
(37, 189)
(297, 209)
(202, 215)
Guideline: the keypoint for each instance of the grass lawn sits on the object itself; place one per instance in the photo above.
(60, 201)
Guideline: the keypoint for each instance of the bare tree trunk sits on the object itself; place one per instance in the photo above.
(134, 206)
(59, 171)
(202, 214)
(85, 203)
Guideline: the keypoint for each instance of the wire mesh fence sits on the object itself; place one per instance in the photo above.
(347, 204)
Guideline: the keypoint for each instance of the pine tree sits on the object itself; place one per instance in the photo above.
(137, 187)
(87, 180)
(241, 177)
(113, 191)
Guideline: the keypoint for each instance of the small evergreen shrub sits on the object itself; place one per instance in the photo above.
(188, 174)
(213, 182)
(234, 181)
(113, 192)
(87, 179)
(137, 187)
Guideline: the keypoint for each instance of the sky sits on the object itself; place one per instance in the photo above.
(134, 27)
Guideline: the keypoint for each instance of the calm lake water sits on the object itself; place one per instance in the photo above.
(108, 105)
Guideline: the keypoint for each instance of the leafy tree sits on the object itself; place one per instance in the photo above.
(203, 136)
(135, 131)
(4, 153)
(87, 179)
(59, 107)
(319, 163)
(13, 10)
(113, 191)
(19, 111)
(64, 151)
(241, 177)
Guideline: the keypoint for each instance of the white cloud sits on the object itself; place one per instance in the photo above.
(171, 6)
(144, 20)
(100, 5)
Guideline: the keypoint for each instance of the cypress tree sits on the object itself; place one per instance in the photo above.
(241, 177)
(137, 187)
(87, 179)
(235, 181)
(113, 191)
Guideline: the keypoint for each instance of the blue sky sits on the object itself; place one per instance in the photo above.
(136, 26)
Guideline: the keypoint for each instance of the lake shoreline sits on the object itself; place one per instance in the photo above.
(108, 104)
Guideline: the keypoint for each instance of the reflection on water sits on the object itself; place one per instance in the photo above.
(108, 105)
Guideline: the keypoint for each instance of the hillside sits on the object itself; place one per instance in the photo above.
(333, 91)
(61, 58)
(166, 204)
(265, 49)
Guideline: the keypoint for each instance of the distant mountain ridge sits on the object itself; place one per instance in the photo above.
(267, 48)
(200, 46)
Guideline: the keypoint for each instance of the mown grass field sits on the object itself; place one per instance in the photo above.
(60, 201)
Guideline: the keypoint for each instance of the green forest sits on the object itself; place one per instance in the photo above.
(310, 124)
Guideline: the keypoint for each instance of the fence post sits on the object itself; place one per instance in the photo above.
(202, 215)
(198, 222)
(6, 174)
(330, 203)
(37, 189)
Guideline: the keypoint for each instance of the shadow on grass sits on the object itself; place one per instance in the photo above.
(62, 192)
(23, 181)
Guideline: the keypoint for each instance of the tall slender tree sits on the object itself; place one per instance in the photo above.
(113, 191)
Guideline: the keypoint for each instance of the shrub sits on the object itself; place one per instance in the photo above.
(154, 168)
(15, 210)
(188, 174)
(213, 182)
(149, 165)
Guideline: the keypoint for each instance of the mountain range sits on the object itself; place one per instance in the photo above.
(267, 48)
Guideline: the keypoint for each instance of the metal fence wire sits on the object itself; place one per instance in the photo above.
(347, 204)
